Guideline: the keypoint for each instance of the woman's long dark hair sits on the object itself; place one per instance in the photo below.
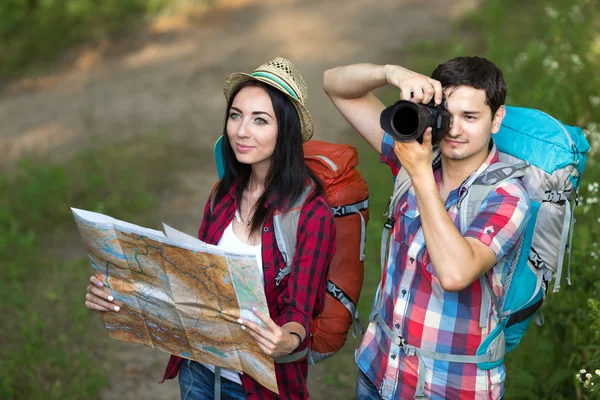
(287, 175)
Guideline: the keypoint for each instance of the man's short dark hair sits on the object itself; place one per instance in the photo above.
(476, 72)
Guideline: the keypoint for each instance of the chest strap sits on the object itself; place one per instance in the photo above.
(217, 388)
(411, 351)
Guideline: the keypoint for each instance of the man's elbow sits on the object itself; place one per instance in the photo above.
(327, 82)
(461, 272)
(455, 283)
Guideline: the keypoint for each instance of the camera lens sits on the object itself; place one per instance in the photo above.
(405, 121)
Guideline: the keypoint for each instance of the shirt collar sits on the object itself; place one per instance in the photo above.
(492, 157)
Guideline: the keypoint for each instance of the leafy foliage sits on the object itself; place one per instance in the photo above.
(36, 30)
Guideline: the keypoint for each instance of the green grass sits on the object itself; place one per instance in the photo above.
(50, 341)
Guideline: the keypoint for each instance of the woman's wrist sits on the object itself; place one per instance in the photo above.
(297, 335)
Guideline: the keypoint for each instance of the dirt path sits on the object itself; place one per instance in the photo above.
(168, 78)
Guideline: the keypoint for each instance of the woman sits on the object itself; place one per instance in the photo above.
(266, 123)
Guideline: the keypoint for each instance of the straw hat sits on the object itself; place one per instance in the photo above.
(282, 75)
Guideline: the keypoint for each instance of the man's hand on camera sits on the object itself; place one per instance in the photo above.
(416, 158)
(413, 86)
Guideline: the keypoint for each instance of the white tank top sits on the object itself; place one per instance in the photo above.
(229, 241)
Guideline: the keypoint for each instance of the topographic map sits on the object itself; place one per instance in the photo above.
(179, 294)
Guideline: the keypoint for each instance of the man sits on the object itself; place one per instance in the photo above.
(431, 292)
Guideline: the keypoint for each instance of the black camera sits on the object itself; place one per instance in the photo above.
(406, 121)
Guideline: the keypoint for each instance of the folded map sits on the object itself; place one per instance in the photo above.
(178, 294)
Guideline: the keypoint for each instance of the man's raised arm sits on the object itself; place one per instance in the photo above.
(349, 88)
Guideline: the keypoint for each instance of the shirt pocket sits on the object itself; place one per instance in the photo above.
(407, 221)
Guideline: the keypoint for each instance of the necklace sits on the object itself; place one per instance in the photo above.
(238, 217)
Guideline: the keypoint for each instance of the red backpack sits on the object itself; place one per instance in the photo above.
(347, 193)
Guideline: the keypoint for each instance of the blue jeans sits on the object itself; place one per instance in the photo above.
(365, 389)
(196, 382)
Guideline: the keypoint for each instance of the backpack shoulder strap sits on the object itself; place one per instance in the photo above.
(219, 160)
(285, 224)
(468, 209)
(483, 185)
(402, 184)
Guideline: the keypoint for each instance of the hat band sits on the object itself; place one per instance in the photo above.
(276, 80)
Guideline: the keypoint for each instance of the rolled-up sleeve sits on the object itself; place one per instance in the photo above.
(502, 218)
(388, 156)
(303, 297)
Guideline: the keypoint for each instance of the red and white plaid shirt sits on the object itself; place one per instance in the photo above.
(417, 307)
(300, 296)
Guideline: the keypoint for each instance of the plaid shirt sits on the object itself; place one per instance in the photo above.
(416, 306)
(300, 296)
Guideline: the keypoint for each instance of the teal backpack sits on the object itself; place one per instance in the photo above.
(556, 156)
(550, 158)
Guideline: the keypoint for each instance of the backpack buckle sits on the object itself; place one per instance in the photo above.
(555, 196)
(281, 274)
(389, 223)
